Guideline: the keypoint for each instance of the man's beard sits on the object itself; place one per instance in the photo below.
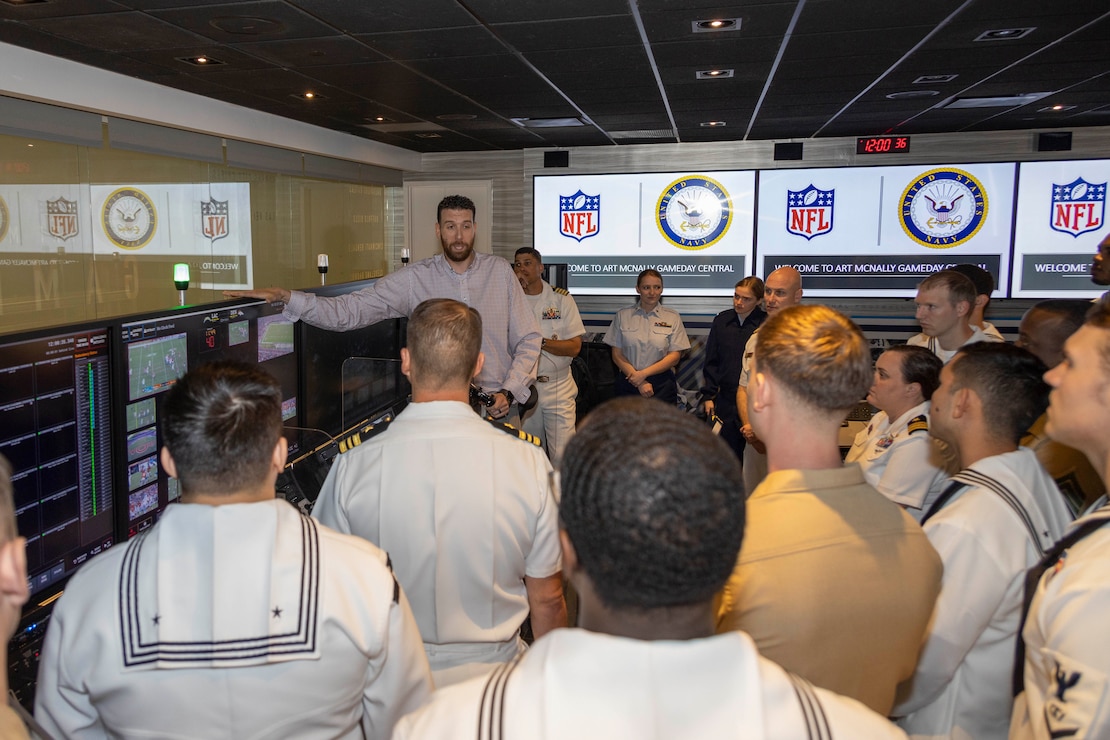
(460, 258)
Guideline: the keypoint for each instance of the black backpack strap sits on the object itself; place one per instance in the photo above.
(1033, 577)
(817, 723)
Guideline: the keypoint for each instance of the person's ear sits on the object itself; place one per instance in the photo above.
(167, 462)
(479, 364)
(570, 555)
(406, 362)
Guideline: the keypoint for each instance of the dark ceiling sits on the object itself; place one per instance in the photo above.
(460, 75)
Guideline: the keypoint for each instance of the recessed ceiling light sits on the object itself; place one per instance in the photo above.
(997, 101)
(456, 117)
(1005, 34)
(200, 61)
(934, 79)
(308, 95)
(379, 119)
(911, 94)
(713, 74)
(241, 25)
(712, 124)
(547, 122)
(714, 25)
(428, 136)
(1055, 108)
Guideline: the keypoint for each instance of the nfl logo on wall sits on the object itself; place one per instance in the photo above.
(61, 218)
(809, 212)
(1078, 207)
(579, 215)
(213, 219)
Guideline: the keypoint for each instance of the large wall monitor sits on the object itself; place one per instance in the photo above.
(879, 231)
(55, 430)
(694, 227)
(1061, 218)
(154, 351)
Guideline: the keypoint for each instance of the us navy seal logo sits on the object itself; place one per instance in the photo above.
(1078, 207)
(943, 208)
(129, 218)
(694, 212)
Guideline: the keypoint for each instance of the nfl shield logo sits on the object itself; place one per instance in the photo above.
(1078, 207)
(213, 219)
(579, 215)
(809, 212)
(61, 218)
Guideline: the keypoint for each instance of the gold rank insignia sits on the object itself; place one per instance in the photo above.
(518, 433)
(918, 424)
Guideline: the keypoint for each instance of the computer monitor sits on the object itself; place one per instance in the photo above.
(347, 379)
(154, 351)
(55, 430)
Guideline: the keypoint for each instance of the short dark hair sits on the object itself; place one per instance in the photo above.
(444, 339)
(819, 355)
(980, 278)
(220, 424)
(1071, 312)
(959, 287)
(920, 366)
(752, 283)
(456, 203)
(531, 252)
(1009, 381)
(8, 529)
(656, 517)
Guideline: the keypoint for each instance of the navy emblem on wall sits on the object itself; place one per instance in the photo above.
(579, 215)
(809, 212)
(694, 212)
(129, 218)
(943, 208)
(1078, 207)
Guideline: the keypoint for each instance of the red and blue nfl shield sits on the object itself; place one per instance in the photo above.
(579, 215)
(809, 212)
(213, 218)
(1078, 207)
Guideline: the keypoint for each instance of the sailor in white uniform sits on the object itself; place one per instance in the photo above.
(463, 506)
(1066, 671)
(895, 451)
(234, 615)
(996, 518)
(645, 663)
(553, 417)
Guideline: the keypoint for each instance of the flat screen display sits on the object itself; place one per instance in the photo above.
(694, 227)
(155, 350)
(56, 431)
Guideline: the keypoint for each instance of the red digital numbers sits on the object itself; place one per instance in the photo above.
(882, 144)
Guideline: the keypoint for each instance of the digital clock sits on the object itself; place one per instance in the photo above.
(882, 144)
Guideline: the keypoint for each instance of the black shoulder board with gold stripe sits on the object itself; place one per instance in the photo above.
(518, 433)
(560, 291)
(354, 439)
(918, 424)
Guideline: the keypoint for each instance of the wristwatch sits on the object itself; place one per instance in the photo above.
(543, 342)
(508, 396)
